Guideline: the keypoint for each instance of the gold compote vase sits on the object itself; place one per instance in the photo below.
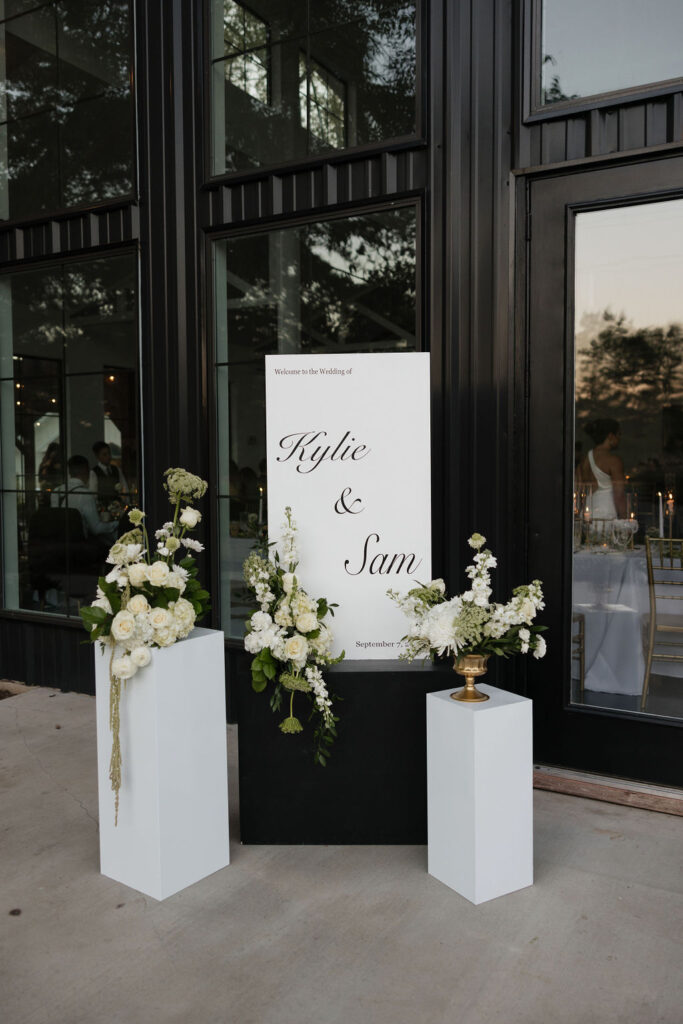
(470, 666)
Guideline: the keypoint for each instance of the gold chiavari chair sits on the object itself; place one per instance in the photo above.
(665, 583)
(579, 648)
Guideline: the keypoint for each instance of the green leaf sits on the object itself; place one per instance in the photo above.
(93, 616)
(258, 685)
(269, 671)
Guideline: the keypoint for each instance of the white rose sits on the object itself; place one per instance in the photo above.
(138, 604)
(296, 649)
(159, 618)
(140, 656)
(288, 581)
(137, 574)
(157, 574)
(190, 517)
(123, 668)
(307, 622)
(175, 581)
(123, 626)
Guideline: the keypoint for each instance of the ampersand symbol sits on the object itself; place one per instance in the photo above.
(340, 506)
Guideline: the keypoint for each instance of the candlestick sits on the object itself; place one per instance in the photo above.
(260, 505)
(661, 514)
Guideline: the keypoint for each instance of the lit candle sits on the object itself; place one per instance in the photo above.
(670, 513)
(260, 505)
(661, 514)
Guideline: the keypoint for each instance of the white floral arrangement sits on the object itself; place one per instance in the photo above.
(471, 623)
(147, 600)
(290, 639)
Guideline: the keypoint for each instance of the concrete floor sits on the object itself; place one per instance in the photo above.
(332, 935)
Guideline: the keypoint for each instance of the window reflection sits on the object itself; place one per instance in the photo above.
(344, 285)
(291, 80)
(590, 48)
(68, 383)
(66, 116)
(628, 458)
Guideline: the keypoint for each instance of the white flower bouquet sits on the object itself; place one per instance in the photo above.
(290, 639)
(147, 599)
(470, 623)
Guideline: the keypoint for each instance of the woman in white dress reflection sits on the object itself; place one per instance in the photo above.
(604, 470)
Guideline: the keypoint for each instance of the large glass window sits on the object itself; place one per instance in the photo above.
(343, 285)
(627, 611)
(589, 48)
(291, 80)
(69, 427)
(66, 110)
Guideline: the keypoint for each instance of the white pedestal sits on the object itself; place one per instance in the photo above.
(479, 793)
(173, 812)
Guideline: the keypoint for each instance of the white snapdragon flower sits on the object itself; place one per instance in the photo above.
(283, 616)
(289, 580)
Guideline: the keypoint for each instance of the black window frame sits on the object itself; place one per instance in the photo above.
(396, 143)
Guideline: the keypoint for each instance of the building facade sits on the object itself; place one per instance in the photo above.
(186, 187)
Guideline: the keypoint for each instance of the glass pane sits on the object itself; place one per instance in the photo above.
(285, 87)
(627, 648)
(66, 115)
(590, 48)
(345, 285)
(69, 438)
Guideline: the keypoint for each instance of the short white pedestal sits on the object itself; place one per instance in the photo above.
(173, 813)
(479, 793)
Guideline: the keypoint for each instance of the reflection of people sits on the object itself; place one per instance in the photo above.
(106, 480)
(77, 495)
(51, 469)
(604, 470)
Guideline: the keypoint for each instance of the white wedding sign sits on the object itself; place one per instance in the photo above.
(348, 449)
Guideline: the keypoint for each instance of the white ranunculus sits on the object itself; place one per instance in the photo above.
(157, 574)
(190, 517)
(138, 604)
(123, 626)
(307, 622)
(296, 649)
(288, 581)
(137, 574)
(261, 620)
(140, 656)
(123, 668)
(159, 618)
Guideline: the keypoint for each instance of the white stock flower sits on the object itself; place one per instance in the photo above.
(117, 576)
(140, 656)
(157, 573)
(307, 622)
(282, 616)
(261, 620)
(296, 649)
(137, 574)
(190, 517)
(540, 648)
(183, 616)
(123, 668)
(253, 642)
(137, 604)
(123, 626)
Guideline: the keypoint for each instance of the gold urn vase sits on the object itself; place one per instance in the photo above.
(470, 666)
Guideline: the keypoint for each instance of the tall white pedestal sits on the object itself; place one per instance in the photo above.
(173, 811)
(479, 793)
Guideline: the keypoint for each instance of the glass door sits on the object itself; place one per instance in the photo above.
(606, 465)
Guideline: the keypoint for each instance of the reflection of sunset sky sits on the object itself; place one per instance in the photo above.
(629, 260)
(627, 43)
